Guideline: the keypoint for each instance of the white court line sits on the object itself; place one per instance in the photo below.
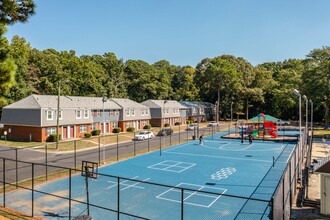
(134, 185)
(169, 149)
(237, 149)
(233, 158)
(128, 185)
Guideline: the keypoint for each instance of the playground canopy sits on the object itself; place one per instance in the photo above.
(267, 118)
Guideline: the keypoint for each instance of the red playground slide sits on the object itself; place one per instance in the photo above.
(272, 132)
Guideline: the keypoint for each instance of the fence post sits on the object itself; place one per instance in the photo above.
(4, 180)
(160, 145)
(148, 143)
(75, 155)
(117, 148)
(182, 205)
(118, 197)
(46, 160)
(99, 150)
(32, 189)
(70, 193)
(16, 163)
(134, 144)
(179, 133)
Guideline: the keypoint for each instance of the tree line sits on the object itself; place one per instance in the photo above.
(227, 80)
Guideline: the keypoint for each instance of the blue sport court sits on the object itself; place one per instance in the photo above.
(218, 179)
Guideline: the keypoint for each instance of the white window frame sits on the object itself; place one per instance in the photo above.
(147, 111)
(93, 127)
(142, 112)
(133, 112)
(78, 114)
(115, 124)
(127, 112)
(128, 124)
(51, 130)
(116, 112)
(60, 114)
(98, 113)
(82, 128)
(51, 114)
(86, 113)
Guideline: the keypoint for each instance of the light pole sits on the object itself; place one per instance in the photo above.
(104, 99)
(297, 93)
(306, 124)
(312, 132)
(164, 111)
(58, 114)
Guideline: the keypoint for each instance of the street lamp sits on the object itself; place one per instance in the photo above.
(58, 114)
(306, 99)
(297, 93)
(104, 99)
(164, 111)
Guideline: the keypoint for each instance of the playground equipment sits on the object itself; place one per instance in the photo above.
(260, 128)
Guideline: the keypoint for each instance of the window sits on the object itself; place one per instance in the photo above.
(142, 112)
(147, 111)
(111, 113)
(164, 111)
(51, 131)
(49, 115)
(86, 113)
(114, 124)
(78, 114)
(82, 128)
(127, 112)
(167, 111)
(116, 113)
(98, 113)
(60, 115)
(133, 112)
(93, 127)
(144, 123)
(128, 124)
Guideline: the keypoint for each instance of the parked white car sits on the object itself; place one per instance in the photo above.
(282, 122)
(142, 135)
(212, 123)
(191, 127)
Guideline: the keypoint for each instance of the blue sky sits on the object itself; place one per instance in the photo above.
(180, 31)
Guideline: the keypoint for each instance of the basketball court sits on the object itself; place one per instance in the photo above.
(207, 172)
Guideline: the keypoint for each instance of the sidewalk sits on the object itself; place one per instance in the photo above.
(304, 213)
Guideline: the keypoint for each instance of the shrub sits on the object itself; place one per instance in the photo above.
(96, 132)
(189, 122)
(177, 123)
(147, 127)
(52, 138)
(130, 129)
(88, 135)
(116, 130)
(166, 125)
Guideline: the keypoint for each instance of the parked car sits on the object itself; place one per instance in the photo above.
(282, 122)
(142, 135)
(212, 123)
(191, 127)
(165, 132)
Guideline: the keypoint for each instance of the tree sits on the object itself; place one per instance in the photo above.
(13, 11)
(184, 86)
(7, 67)
(316, 79)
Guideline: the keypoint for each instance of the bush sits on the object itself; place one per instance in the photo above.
(177, 123)
(52, 138)
(116, 130)
(166, 125)
(189, 122)
(130, 129)
(88, 135)
(147, 127)
(96, 132)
